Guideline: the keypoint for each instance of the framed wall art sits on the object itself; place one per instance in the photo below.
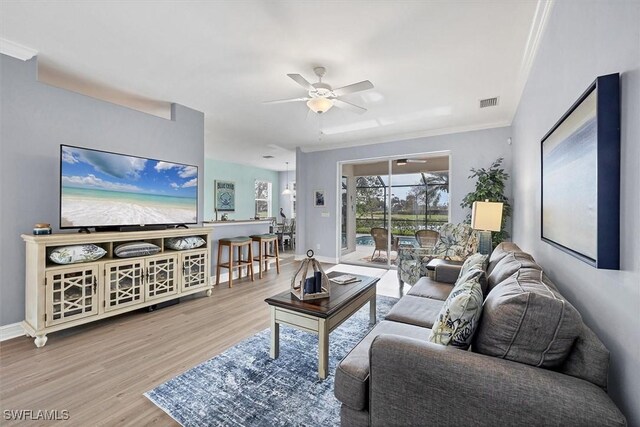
(318, 198)
(225, 196)
(580, 206)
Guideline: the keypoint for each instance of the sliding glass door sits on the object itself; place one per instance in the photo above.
(394, 198)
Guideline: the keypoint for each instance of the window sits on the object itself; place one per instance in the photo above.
(418, 201)
(263, 199)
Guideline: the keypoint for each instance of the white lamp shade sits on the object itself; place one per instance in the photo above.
(486, 216)
(319, 105)
(287, 192)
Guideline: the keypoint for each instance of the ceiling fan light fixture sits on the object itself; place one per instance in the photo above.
(401, 162)
(319, 105)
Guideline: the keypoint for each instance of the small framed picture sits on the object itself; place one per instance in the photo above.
(225, 196)
(318, 198)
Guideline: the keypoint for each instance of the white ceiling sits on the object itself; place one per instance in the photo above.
(430, 62)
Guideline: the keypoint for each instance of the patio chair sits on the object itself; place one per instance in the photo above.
(380, 237)
(427, 238)
(455, 242)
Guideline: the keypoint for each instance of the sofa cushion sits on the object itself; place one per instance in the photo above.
(588, 359)
(353, 418)
(416, 311)
(352, 374)
(525, 321)
(502, 250)
(429, 288)
(509, 265)
(458, 317)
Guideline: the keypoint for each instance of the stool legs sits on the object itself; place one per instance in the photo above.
(231, 267)
(267, 248)
(277, 257)
(251, 259)
(235, 263)
(220, 246)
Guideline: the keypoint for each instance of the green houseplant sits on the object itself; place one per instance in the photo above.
(490, 186)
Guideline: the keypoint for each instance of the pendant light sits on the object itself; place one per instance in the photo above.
(286, 191)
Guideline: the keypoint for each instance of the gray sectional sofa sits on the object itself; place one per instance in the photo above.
(532, 361)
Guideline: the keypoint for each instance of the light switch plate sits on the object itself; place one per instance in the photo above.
(325, 214)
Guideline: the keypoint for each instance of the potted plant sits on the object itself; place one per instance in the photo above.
(490, 186)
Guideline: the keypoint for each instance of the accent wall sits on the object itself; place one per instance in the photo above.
(584, 40)
(245, 177)
(317, 227)
(34, 120)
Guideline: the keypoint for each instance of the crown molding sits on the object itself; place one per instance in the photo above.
(15, 50)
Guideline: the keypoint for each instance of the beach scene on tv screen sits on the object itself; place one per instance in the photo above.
(103, 189)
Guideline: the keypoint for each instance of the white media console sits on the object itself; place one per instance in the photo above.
(63, 296)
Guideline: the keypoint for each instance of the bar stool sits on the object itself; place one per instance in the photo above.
(232, 243)
(264, 241)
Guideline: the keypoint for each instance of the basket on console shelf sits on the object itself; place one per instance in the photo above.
(308, 285)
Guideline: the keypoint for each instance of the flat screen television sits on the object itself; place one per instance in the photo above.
(110, 190)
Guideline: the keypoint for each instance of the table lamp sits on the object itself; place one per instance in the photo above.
(487, 217)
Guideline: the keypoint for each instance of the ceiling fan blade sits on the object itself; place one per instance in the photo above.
(356, 87)
(348, 106)
(301, 81)
(282, 101)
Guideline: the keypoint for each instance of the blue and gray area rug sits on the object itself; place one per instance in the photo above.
(244, 387)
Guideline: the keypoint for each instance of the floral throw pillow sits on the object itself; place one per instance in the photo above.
(76, 253)
(477, 260)
(458, 319)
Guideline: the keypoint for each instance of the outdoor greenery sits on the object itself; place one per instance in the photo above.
(490, 186)
(422, 207)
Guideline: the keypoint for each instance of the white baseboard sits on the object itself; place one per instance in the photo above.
(224, 274)
(13, 330)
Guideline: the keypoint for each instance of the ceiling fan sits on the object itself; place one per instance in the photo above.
(402, 162)
(321, 96)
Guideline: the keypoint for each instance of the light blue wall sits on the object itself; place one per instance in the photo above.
(35, 119)
(582, 41)
(245, 177)
(319, 170)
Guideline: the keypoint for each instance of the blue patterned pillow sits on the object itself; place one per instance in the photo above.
(458, 318)
(76, 253)
(127, 250)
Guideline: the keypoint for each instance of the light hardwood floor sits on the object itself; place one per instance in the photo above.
(99, 372)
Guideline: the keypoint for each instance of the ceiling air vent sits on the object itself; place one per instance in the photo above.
(489, 102)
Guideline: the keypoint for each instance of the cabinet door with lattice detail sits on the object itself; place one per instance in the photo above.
(195, 269)
(124, 284)
(71, 294)
(162, 277)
